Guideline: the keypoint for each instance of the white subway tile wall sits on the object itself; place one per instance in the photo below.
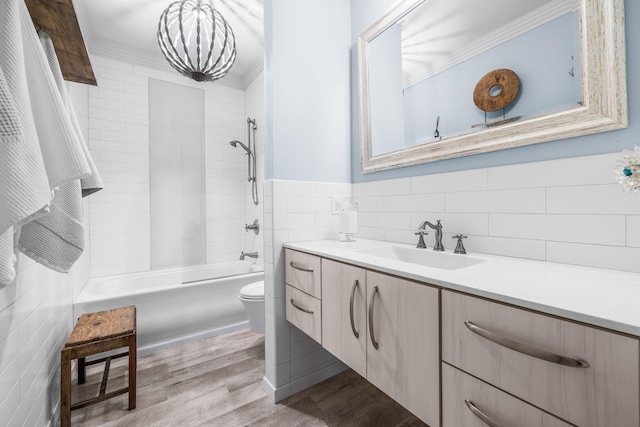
(566, 210)
(294, 211)
(633, 231)
(119, 142)
(254, 108)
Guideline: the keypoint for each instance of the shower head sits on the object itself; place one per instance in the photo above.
(235, 144)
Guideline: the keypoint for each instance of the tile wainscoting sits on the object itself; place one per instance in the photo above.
(568, 211)
(294, 211)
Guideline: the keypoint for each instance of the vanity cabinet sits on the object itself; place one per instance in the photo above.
(303, 293)
(501, 364)
(584, 375)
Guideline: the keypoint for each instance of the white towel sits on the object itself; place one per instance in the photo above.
(92, 183)
(10, 133)
(57, 239)
(7, 258)
(24, 186)
(63, 156)
(52, 155)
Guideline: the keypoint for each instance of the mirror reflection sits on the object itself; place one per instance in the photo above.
(424, 67)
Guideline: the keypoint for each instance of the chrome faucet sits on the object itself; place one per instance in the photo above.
(438, 227)
(248, 254)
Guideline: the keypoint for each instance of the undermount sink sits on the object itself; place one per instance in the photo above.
(426, 257)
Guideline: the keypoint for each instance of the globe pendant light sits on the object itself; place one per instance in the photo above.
(196, 40)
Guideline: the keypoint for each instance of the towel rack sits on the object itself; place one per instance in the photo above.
(58, 19)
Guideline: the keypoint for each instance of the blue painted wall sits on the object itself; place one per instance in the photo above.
(364, 12)
(307, 88)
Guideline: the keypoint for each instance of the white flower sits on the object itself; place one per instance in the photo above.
(628, 170)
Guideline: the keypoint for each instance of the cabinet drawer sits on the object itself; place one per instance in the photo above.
(303, 311)
(605, 393)
(504, 409)
(303, 272)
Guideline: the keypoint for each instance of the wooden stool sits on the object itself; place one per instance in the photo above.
(96, 333)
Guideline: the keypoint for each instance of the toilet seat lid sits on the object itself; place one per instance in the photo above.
(253, 290)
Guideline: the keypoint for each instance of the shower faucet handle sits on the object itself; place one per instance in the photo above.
(255, 226)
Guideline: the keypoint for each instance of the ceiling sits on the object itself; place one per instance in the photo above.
(126, 30)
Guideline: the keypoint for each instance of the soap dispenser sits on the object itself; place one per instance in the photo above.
(348, 224)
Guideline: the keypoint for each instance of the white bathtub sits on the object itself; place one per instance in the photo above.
(175, 306)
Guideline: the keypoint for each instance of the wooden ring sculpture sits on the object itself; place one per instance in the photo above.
(506, 81)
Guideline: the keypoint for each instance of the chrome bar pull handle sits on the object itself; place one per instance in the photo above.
(353, 294)
(372, 333)
(297, 267)
(299, 307)
(574, 362)
(478, 413)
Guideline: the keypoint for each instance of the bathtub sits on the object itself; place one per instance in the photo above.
(175, 306)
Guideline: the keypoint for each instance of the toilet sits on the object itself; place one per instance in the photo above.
(252, 297)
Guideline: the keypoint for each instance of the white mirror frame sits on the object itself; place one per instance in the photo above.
(604, 94)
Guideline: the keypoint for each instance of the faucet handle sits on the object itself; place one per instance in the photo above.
(421, 244)
(459, 246)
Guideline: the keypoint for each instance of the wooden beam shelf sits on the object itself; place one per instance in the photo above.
(58, 19)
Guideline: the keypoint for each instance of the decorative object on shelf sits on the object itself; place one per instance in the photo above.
(436, 134)
(196, 40)
(494, 91)
(628, 170)
(348, 223)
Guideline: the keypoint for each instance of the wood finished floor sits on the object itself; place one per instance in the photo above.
(218, 382)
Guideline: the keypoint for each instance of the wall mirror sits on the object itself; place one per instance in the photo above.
(428, 68)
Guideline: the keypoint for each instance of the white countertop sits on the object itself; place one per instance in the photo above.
(605, 298)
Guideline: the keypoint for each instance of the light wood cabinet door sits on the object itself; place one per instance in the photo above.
(403, 320)
(604, 393)
(344, 313)
(485, 400)
(303, 271)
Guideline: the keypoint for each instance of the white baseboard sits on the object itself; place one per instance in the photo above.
(281, 393)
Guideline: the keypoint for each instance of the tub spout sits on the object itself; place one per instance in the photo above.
(248, 254)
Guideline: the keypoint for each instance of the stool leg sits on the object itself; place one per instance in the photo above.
(65, 388)
(133, 366)
(82, 371)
